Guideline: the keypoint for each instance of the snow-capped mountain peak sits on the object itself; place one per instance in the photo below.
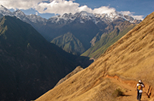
(113, 15)
(36, 19)
(82, 17)
(69, 17)
(62, 19)
(19, 13)
(85, 14)
(5, 11)
(3, 8)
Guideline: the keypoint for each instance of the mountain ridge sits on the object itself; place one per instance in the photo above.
(69, 41)
(82, 25)
(108, 39)
(28, 62)
(68, 16)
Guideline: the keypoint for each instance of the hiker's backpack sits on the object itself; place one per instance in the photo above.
(139, 87)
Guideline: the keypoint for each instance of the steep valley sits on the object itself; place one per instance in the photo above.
(31, 64)
(117, 70)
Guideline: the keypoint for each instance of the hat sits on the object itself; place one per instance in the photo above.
(140, 81)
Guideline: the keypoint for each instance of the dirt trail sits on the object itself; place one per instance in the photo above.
(130, 89)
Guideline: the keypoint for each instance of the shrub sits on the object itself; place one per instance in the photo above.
(117, 93)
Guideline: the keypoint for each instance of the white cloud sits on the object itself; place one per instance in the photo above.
(138, 17)
(84, 8)
(53, 6)
(59, 7)
(36, 13)
(104, 9)
(20, 4)
(126, 12)
(63, 6)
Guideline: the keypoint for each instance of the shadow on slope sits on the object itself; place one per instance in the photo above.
(29, 65)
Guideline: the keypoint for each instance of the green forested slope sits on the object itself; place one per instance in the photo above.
(69, 43)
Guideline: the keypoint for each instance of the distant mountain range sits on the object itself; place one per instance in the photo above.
(68, 18)
(83, 26)
(30, 65)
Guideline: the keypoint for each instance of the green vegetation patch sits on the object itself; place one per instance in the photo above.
(105, 42)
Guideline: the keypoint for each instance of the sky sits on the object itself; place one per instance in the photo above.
(47, 8)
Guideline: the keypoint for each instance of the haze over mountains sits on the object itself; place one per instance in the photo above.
(117, 70)
(80, 25)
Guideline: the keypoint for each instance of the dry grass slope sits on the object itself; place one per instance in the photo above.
(130, 59)
(76, 70)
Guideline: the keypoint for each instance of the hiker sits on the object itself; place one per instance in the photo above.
(140, 85)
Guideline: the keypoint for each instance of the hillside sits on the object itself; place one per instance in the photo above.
(76, 70)
(93, 33)
(29, 65)
(79, 30)
(127, 61)
(69, 43)
(107, 39)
